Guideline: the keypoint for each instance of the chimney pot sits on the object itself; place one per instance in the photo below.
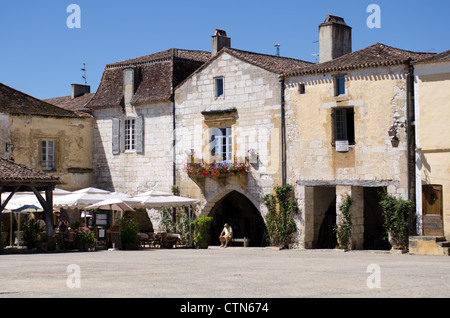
(79, 90)
(219, 41)
(335, 38)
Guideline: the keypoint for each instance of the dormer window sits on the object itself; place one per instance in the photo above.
(219, 85)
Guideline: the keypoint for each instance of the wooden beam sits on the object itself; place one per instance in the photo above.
(2, 207)
(47, 205)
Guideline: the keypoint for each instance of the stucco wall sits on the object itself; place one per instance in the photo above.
(379, 99)
(73, 149)
(433, 133)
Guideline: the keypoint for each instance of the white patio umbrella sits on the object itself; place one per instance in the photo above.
(114, 204)
(166, 201)
(29, 198)
(78, 200)
(111, 204)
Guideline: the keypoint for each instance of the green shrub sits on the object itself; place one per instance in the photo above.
(280, 223)
(344, 227)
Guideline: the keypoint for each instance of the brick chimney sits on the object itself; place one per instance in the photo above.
(335, 38)
(219, 41)
(79, 90)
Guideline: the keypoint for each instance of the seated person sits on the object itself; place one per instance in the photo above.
(226, 235)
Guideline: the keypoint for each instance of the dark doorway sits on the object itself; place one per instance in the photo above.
(244, 218)
(327, 235)
(374, 234)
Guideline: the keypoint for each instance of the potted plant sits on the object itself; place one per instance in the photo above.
(84, 238)
(200, 237)
(344, 228)
(396, 213)
(129, 233)
(30, 233)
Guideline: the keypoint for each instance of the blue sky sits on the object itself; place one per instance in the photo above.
(42, 57)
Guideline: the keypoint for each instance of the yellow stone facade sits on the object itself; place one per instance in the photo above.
(323, 175)
(73, 142)
(433, 144)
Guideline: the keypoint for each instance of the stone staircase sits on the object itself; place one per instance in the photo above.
(429, 245)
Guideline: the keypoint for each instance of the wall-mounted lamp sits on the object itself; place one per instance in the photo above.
(394, 131)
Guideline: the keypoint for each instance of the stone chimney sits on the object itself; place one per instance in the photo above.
(79, 90)
(219, 41)
(335, 39)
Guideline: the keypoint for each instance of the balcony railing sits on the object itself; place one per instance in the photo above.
(197, 168)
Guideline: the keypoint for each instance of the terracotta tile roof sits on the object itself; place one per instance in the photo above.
(438, 58)
(271, 63)
(17, 103)
(377, 55)
(158, 74)
(11, 171)
(77, 104)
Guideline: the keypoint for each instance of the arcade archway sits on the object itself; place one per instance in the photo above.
(240, 213)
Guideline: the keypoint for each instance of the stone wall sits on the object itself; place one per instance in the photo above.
(132, 172)
(73, 146)
(378, 98)
(255, 95)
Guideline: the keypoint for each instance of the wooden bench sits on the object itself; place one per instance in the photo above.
(244, 240)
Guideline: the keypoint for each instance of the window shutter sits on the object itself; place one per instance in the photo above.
(140, 134)
(116, 136)
(122, 135)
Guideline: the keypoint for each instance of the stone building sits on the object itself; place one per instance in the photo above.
(46, 138)
(348, 122)
(432, 87)
(228, 111)
(134, 128)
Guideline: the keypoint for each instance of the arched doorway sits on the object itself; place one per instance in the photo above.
(240, 213)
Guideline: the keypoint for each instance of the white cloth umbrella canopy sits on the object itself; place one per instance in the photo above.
(111, 204)
(165, 201)
(154, 193)
(29, 198)
(92, 191)
(128, 199)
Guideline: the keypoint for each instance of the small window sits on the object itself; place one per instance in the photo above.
(302, 89)
(344, 125)
(339, 85)
(130, 134)
(48, 155)
(219, 87)
(221, 144)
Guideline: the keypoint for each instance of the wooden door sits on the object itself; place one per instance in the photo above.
(432, 210)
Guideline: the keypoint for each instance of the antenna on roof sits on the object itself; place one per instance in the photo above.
(84, 76)
(277, 49)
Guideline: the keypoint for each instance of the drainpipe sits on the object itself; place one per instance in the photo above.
(174, 179)
(283, 131)
(411, 131)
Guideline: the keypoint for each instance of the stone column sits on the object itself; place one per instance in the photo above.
(357, 210)
(306, 215)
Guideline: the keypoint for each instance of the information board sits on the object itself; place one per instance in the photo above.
(115, 236)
